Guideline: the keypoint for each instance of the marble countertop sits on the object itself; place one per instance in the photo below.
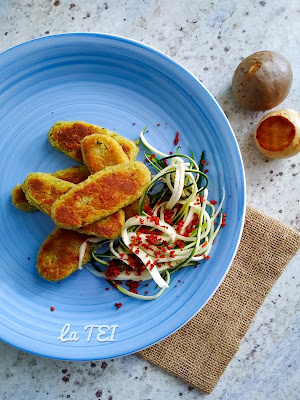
(209, 38)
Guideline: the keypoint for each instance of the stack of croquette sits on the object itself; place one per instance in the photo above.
(90, 200)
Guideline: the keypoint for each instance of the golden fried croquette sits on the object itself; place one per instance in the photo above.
(129, 147)
(108, 228)
(66, 136)
(59, 254)
(43, 189)
(133, 208)
(101, 194)
(101, 151)
(19, 200)
(75, 174)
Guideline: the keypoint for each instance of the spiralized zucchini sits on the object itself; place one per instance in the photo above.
(177, 230)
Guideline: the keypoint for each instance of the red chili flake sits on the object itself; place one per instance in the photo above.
(166, 123)
(171, 152)
(180, 244)
(205, 257)
(192, 225)
(204, 244)
(107, 288)
(172, 254)
(133, 286)
(168, 215)
(147, 284)
(206, 171)
(52, 309)
(207, 163)
(203, 161)
(149, 210)
(118, 305)
(154, 219)
(158, 125)
(165, 162)
(223, 223)
(133, 123)
(179, 225)
(113, 269)
(213, 202)
(146, 292)
(147, 131)
(166, 245)
(176, 140)
(151, 157)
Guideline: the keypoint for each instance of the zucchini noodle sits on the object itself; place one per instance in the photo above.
(176, 230)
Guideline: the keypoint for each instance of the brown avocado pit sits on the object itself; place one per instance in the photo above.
(262, 81)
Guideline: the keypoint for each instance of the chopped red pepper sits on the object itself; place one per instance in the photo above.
(176, 140)
(52, 308)
(118, 305)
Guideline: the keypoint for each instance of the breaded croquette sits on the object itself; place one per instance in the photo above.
(129, 147)
(66, 136)
(59, 254)
(75, 174)
(101, 194)
(133, 208)
(19, 200)
(108, 228)
(101, 151)
(41, 190)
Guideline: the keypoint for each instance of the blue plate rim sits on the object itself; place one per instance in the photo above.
(236, 150)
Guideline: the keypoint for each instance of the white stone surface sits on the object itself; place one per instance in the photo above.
(209, 38)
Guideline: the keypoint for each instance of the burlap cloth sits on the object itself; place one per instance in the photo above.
(200, 351)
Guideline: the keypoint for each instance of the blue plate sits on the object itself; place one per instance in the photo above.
(122, 85)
